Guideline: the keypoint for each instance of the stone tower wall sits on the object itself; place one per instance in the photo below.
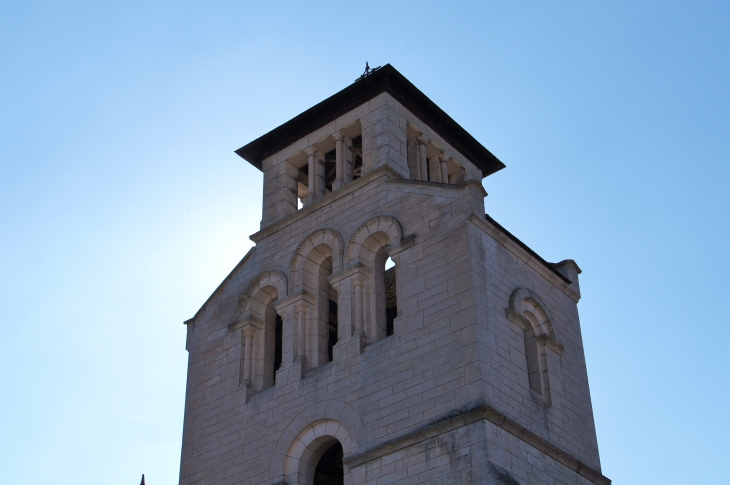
(447, 398)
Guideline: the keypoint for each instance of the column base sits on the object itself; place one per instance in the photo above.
(356, 345)
(246, 393)
(292, 373)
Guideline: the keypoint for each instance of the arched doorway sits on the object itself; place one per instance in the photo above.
(329, 470)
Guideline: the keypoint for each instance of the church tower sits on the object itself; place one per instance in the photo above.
(384, 329)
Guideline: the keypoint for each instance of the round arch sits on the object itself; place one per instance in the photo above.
(308, 447)
(384, 229)
(334, 421)
(321, 237)
(252, 294)
(524, 300)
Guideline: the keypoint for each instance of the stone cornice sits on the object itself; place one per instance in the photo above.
(469, 414)
(385, 80)
(467, 184)
(384, 171)
(540, 266)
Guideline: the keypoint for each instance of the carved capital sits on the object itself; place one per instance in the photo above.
(359, 271)
(246, 322)
(338, 136)
(298, 299)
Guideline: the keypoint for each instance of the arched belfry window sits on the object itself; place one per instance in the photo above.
(322, 329)
(372, 294)
(314, 261)
(265, 340)
(530, 314)
(261, 330)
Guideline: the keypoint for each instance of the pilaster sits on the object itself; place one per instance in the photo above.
(384, 139)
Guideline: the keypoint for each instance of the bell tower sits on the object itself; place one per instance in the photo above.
(384, 329)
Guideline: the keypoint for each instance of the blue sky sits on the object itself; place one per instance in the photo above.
(122, 204)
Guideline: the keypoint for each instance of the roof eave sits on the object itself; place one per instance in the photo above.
(386, 79)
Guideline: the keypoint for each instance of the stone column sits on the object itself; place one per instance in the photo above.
(294, 308)
(344, 315)
(352, 312)
(348, 162)
(248, 326)
(444, 161)
(339, 164)
(312, 181)
(301, 331)
(422, 160)
(358, 284)
(248, 333)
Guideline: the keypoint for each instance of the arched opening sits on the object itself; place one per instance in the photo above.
(527, 310)
(533, 360)
(382, 285)
(535, 349)
(279, 338)
(322, 333)
(391, 296)
(267, 340)
(332, 335)
(356, 157)
(330, 469)
(457, 173)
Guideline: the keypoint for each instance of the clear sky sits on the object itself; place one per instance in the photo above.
(123, 206)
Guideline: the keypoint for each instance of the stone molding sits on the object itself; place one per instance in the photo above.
(355, 269)
(294, 299)
(539, 267)
(247, 322)
(328, 237)
(385, 223)
(469, 414)
(270, 277)
(329, 410)
(383, 171)
(425, 183)
(514, 314)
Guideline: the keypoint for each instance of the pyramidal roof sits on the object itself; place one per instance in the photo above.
(385, 79)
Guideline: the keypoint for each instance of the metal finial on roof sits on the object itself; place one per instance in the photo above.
(368, 71)
(142, 482)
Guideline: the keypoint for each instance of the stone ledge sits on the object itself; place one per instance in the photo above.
(438, 185)
(469, 414)
(384, 171)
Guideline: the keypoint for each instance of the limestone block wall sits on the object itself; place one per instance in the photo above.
(501, 269)
(453, 346)
(476, 453)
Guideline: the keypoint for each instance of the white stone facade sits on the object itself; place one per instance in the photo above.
(483, 379)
